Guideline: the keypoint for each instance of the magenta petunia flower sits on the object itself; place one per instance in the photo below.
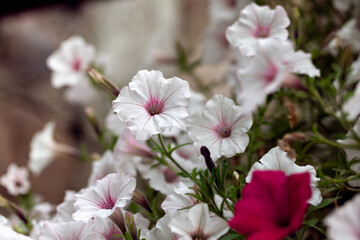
(273, 205)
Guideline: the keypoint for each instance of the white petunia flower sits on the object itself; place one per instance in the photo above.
(102, 167)
(162, 230)
(63, 231)
(43, 149)
(129, 153)
(257, 22)
(16, 180)
(221, 126)
(347, 35)
(110, 192)
(102, 229)
(277, 159)
(352, 153)
(7, 233)
(351, 106)
(343, 222)
(70, 62)
(152, 104)
(198, 223)
(113, 124)
(268, 69)
(179, 199)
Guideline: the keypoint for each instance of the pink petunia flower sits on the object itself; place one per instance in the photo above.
(221, 126)
(273, 205)
(257, 22)
(152, 104)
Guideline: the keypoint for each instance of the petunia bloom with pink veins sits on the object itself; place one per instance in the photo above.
(70, 62)
(110, 192)
(265, 72)
(16, 180)
(273, 205)
(152, 104)
(257, 22)
(221, 126)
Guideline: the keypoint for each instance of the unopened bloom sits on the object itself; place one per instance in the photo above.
(70, 62)
(16, 180)
(221, 126)
(198, 223)
(110, 192)
(276, 159)
(257, 22)
(273, 205)
(152, 104)
(343, 222)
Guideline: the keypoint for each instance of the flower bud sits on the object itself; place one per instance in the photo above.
(209, 162)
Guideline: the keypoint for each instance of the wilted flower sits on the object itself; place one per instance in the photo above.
(272, 206)
(257, 22)
(152, 104)
(221, 126)
(16, 180)
(277, 160)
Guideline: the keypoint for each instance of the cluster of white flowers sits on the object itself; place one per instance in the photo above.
(160, 125)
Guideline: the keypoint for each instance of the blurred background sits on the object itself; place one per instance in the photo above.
(129, 33)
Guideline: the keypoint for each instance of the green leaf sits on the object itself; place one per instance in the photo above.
(312, 222)
(325, 202)
(232, 236)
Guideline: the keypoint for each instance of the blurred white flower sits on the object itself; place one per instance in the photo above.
(257, 22)
(352, 152)
(343, 222)
(63, 231)
(70, 62)
(221, 126)
(277, 159)
(152, 104)
(347, 35)
(7, 233)
(43, 149)
(268, 70)
(16, 180)
(351, 106)
(110, 192)
(198, 223)
(129, 153)
(102, 167)
(344, 5)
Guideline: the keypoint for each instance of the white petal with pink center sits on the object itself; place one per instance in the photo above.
(152, 104)
(70, 62)
(198, 223)
(277, 159)
(343, 222)
(257, 22)
(16, 180)
(268, 69)
(221, 126)
(110, 192)
(63, 231)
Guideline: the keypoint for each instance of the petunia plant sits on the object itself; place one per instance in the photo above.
(277, 157)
